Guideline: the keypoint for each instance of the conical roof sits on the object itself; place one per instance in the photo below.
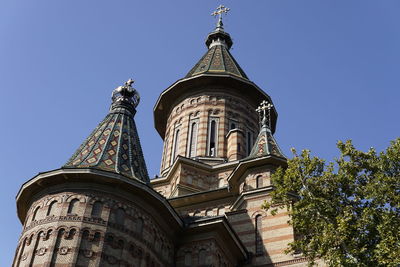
(218, 59)
(265, 144)
(114, 144)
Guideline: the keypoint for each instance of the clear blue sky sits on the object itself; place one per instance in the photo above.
(331, 67)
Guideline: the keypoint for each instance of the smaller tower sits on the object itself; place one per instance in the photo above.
(98, 210)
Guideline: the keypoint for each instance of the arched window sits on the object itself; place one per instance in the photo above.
(120, 216)
(71, 233)
(51, 209)
(188, 259)
(139, 225)
(258, 233)
(73, 206)
(35, 214)
(96, 237)
(85, 234)
(192, 140)
(259, 181)
(197, 213)
(209, 212)
(97, 208)
(175, 147)
(120, 244)
(109, 239)
(212, 137)
(202, 257)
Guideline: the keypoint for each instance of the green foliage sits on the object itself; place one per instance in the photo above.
(347, 212)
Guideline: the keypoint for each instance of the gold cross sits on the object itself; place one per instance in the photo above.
(220, 10)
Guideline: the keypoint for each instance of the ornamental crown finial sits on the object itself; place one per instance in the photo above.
(126, 93)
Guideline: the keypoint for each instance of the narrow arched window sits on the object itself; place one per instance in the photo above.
(73, 206)
(259, 181)
(209, 212)
(139, 225)
(202, 256)
(34, 216)
(71, 233)
(96, 237)
(85, 234)
(120, 244)
(258, 235)
(51, 209)
(192, 139)
(188, 259)
(212, 138)
(197, 213)
(97, 208)
(120, 216)
(175, 147)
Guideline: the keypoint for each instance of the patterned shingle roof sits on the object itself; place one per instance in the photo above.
(114, 144)
(218, 59)
(265, 145)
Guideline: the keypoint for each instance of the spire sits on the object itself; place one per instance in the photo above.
(219, 36)
(218, 60)
(265, 144)
(114, 145)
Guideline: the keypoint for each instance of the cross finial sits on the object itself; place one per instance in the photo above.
(220, 10)
(264, 107)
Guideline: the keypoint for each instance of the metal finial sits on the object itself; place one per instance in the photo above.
(265, 107)
(220, 10)
(126, 93)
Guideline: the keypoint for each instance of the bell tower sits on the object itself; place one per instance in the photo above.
(208, 117)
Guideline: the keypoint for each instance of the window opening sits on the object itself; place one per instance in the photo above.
(193, 139)
(73, 206)
(97, 209)
(212, 137)
(50, 211)
(175, 146)
(259, 242)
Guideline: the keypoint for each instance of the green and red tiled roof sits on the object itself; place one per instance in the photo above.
(114, 145)
(218, 59)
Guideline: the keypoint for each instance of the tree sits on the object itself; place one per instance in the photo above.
(346, 213)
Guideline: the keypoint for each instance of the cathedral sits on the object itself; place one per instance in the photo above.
(204, 209)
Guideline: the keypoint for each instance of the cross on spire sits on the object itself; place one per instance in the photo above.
(263, 108)
(220, 10)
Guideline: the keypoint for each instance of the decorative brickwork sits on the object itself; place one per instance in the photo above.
(205, 208)
(81, 239)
